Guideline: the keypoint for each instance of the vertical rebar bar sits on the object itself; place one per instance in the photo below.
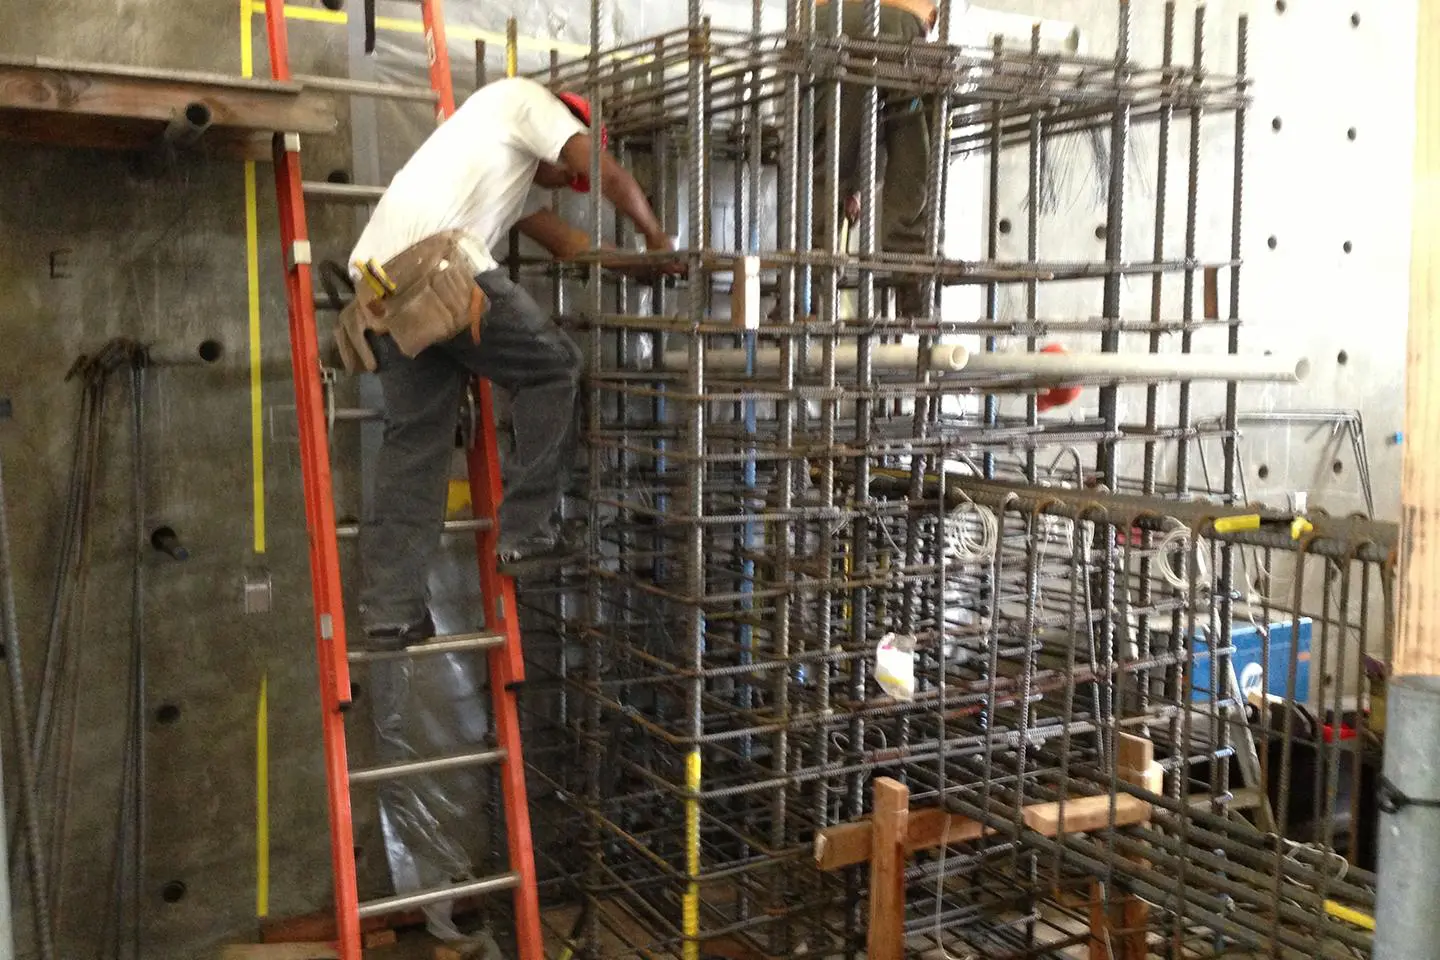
(1157, 305)
(26, 793)
(696, 157)
(1187, 337)
(594, 612)
(1115, 239)
(991, 408)
(1224, 586)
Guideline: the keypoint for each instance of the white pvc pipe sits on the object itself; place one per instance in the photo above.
(944, 358)
(1061, 367)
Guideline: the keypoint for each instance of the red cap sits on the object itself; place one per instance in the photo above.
(580, 107)
(1056, 396)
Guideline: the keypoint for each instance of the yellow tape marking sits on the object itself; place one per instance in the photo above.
(257, 421)
(405, 25)
(262, 800)
(690, 922)
(457, 498)
(252, 279)
(257, 451)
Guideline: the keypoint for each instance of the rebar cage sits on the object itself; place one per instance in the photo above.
(785, 472)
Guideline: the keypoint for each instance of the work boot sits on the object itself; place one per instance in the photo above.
(545, 553)
(387, 638)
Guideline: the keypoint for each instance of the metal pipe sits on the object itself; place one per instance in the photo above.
(7, 922)
(1138, 367)
(187, 126)
(769, 361)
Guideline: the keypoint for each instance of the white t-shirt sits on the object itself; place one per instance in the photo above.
(473, 173)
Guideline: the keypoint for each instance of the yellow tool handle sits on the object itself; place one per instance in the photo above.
(1341, 912)
(383, 278)
(1249, 521)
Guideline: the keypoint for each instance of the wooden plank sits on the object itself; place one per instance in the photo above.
(848, 844)
(1417, 640)
(42, 128)
(1099, 943)
(278, 951)
(380, 938)
(1136, 764)
(1086, 814)
(886, 939)
(89, 105)
(93, 90)
(1128, 916)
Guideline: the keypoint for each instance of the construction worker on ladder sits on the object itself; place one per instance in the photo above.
(904, 139)
(433, 309)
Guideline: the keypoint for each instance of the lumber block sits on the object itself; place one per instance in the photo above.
(278, 951)
(887, 870)
(379, 938)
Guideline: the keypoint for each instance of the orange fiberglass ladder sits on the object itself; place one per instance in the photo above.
(502, 637)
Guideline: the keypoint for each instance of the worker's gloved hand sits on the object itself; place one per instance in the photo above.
(661, 243)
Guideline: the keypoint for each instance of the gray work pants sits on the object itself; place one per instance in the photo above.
(904, 138)
(521, 351)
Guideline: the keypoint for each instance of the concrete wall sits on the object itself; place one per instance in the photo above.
(165, 261)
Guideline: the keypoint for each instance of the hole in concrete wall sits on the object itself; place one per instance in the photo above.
(1005, 225)
(1354, 19)
(334, 4)
(1352, 133)
(354, 691)
(1273, 242)
(1276, 124)
(1101, 232)
(358, 851)
(1342, 358)
(338, 176)
(1348, 246)
(1279, 6)
(1263, 472)
(173, 892)
(1337, 468)
(211, 350)
(167, 713)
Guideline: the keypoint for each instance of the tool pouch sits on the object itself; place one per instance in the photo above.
(436, 298)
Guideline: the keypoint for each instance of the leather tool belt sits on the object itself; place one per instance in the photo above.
(429, 295)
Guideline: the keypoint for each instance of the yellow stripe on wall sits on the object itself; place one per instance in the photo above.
(262, 800)
(257, 458)
(252, 289)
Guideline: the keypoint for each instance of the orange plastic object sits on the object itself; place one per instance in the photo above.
(1056, 396)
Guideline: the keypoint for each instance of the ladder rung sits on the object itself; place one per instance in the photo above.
(368, 88)
(423, 898)
(454, 644)
(412, 768)
(356, 414)
(342, 192)
(351, 531)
